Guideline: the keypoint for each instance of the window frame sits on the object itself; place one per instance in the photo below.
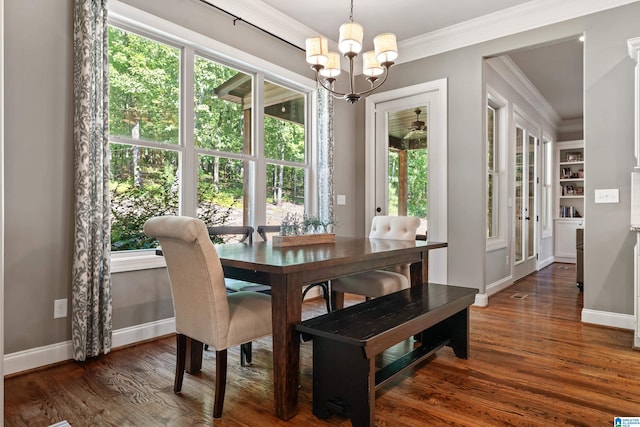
(192, 44)
(500, 157)
(546, 210)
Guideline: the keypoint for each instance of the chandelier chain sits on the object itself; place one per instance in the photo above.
(351, 13)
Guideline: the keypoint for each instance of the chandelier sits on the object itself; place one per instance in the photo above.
(375, 63)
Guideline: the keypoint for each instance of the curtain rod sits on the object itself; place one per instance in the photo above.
(237, 18)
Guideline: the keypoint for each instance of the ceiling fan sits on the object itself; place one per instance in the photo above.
(417, 128)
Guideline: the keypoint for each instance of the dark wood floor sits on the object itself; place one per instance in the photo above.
(532, 363)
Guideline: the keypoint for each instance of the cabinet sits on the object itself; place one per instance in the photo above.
(570, 179)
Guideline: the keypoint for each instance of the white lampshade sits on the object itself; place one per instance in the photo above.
(350, 38)
(370, 65)
(386, 47)
(317, 49)
(332, 66)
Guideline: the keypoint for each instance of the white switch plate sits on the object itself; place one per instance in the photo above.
(610, 195)
(341, 199)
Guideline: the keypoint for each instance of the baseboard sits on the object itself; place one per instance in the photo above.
(500, 285)
(60, 352)
(606, 318)
(564, 260)
(545, 262)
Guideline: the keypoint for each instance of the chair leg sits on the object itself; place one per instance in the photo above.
(325, 293)
(181, 357)
(326, 296)
(221, 382)
(245, 354)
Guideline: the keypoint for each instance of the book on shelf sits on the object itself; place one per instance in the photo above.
(569, 212)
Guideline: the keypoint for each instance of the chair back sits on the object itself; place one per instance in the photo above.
(264, 230)
(231, 234)
(395, 228)
(197, 280)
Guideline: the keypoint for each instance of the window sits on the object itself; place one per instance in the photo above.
(547, 192)
(144, 89)
(492, 175)
(197, 150)
(496, 145)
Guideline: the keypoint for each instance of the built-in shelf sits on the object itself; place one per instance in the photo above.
(569, 198)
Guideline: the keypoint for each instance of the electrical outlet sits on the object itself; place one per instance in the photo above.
(59, 308)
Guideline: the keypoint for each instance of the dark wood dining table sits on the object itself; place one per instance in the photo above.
(287, 270)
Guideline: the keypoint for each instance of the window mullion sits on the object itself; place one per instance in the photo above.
(188, 164)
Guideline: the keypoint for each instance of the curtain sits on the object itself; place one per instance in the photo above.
(325, 155)
(91, 324)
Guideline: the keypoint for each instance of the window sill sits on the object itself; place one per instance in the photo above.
(136, 260)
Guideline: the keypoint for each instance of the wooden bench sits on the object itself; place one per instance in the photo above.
(346, 342)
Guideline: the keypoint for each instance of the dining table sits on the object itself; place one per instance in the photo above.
(287, 270)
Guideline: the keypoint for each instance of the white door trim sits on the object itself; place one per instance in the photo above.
(437, 171)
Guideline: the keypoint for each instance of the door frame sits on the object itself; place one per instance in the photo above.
(437, 168)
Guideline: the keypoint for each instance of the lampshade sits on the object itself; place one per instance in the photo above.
(332, 66)
(351, 35)
(370, 65)
(317, 49)
(386, 47)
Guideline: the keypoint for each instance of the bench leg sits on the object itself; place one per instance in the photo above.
(455, 329)
(343, 382)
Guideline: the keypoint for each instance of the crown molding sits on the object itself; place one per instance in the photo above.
(534, 14)
(511, 73)
(506, 22)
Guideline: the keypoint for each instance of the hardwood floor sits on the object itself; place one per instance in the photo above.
(532, 363)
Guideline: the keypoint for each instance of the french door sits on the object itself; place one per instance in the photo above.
(525, 201)
(406, 162)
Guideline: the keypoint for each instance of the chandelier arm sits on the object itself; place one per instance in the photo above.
(335, 93)
(375, 86)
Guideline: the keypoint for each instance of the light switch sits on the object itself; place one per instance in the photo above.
(610, 195)
(341, 199)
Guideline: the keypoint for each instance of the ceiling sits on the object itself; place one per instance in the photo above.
(425, 27)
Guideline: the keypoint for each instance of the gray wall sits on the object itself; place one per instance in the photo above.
(609, 156)
(39, 158)
(38, 170)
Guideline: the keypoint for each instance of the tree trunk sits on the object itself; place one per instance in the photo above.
(137, 176)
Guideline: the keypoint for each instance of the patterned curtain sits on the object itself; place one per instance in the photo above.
(91, 288)
(325, 155)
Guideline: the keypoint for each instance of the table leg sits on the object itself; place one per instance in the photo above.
(420, 270)
(286, 309)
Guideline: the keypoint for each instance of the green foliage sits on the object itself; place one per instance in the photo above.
(144, 91)
(417, 165)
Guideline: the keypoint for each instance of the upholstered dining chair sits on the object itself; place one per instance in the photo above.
(204, 311)
(264, 231)
(376, 283)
